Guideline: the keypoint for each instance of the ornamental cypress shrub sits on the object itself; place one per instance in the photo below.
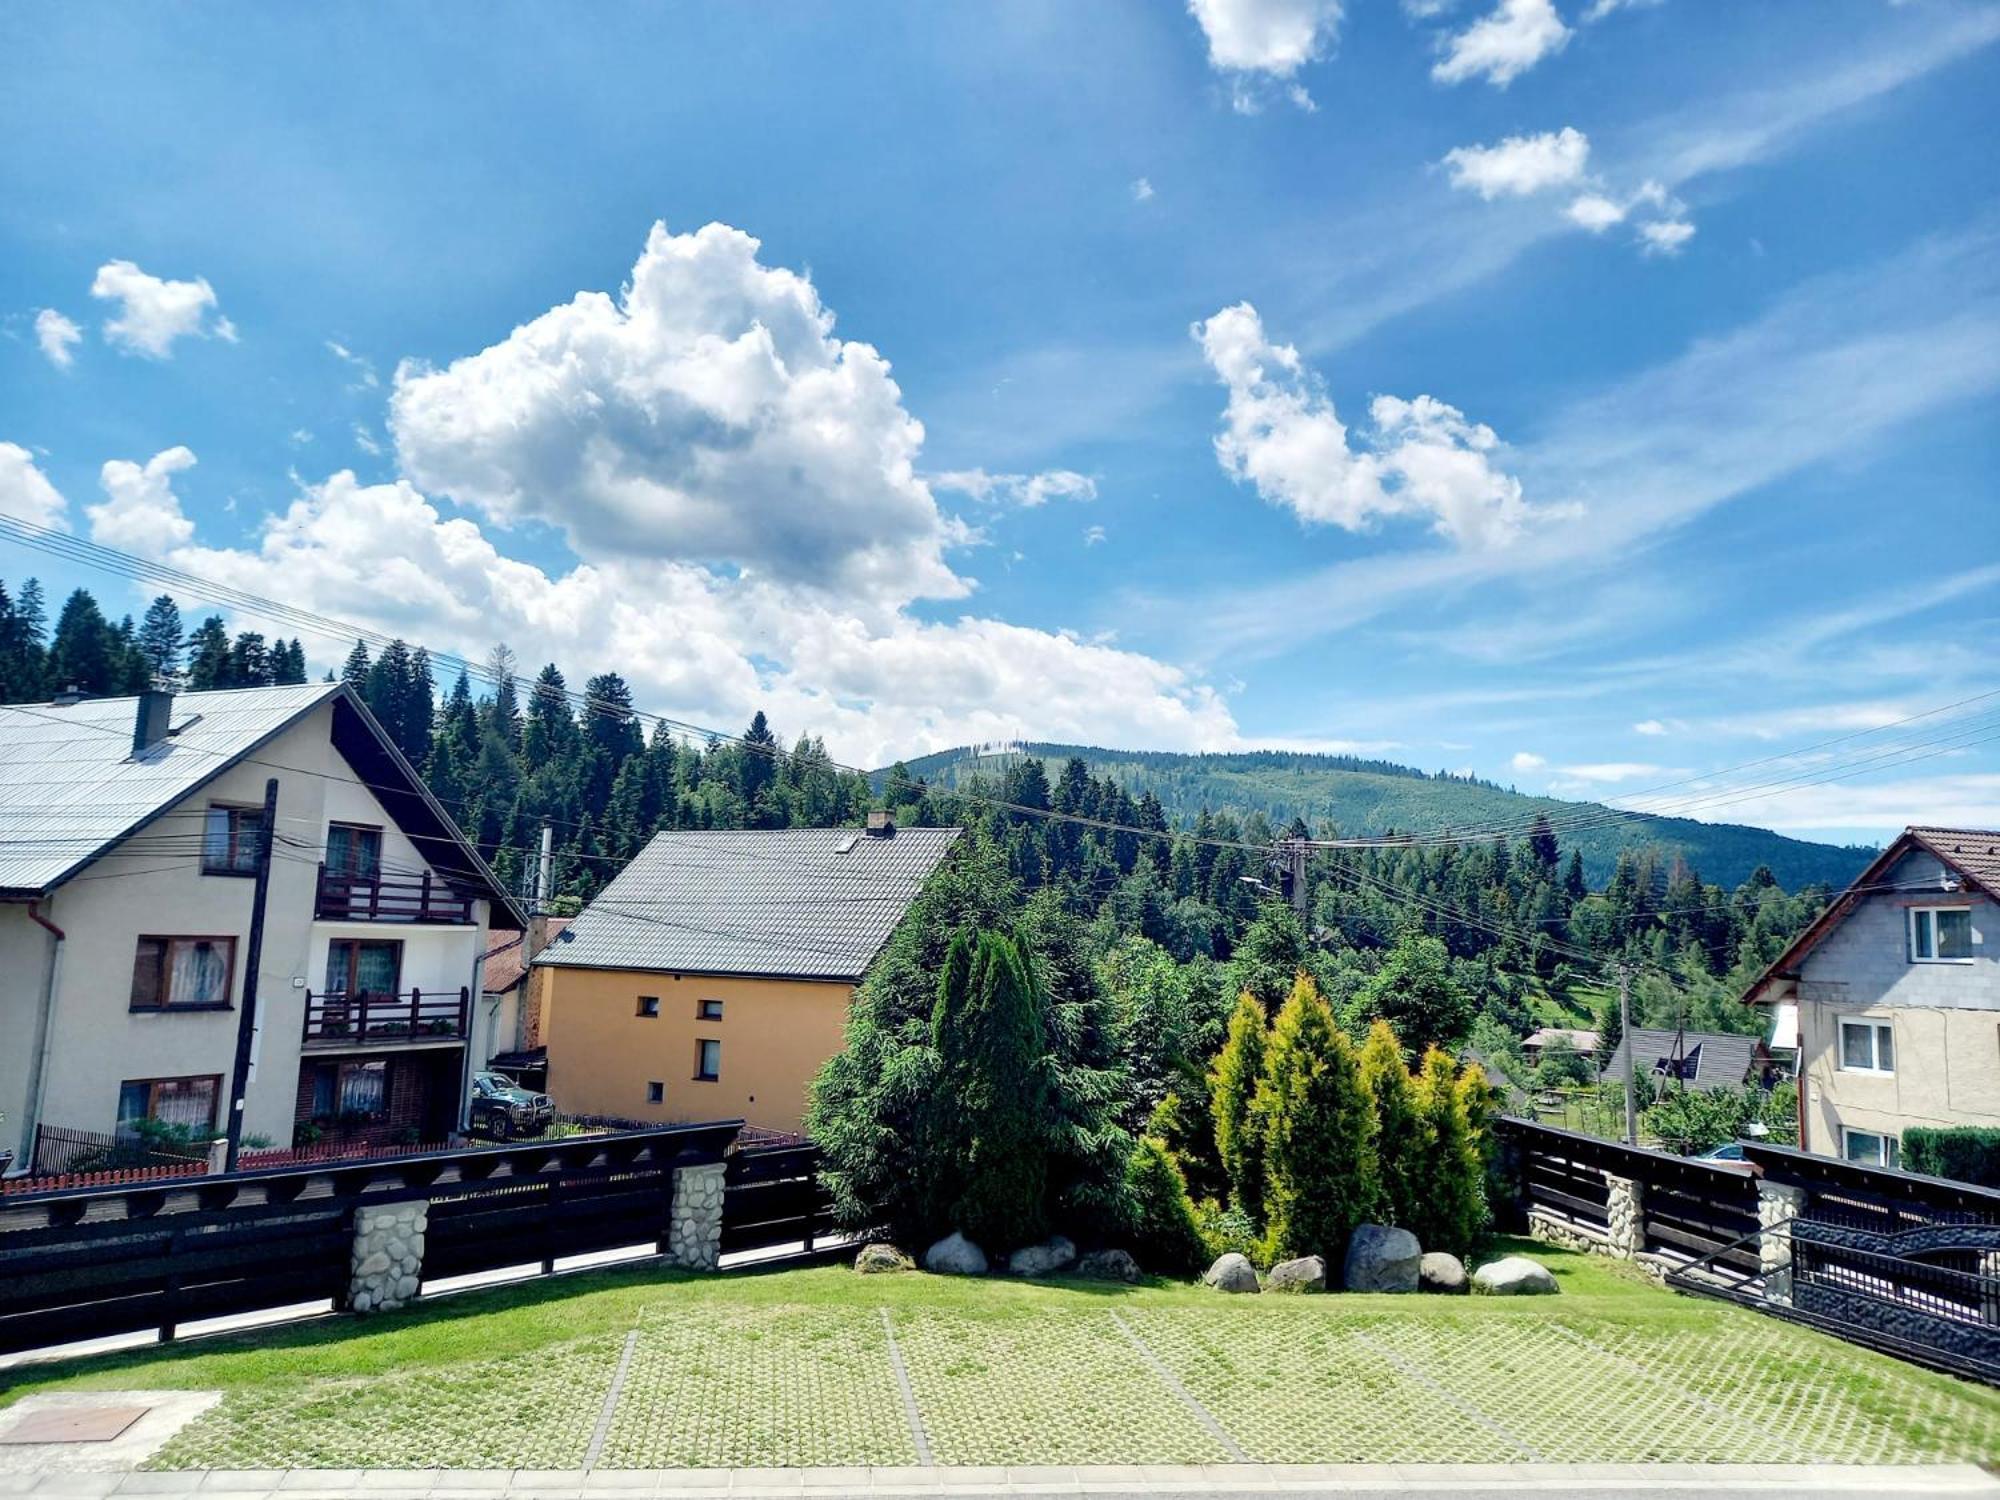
(1320, 1167)
(1400, 1143)
(1164, 1229)
(1450, 1205)
(1232, 1090)
(992, 1122)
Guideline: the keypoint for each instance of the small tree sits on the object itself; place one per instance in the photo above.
(1232, 1088)
(1450, 1204)
(1164, 1225)
(1320, 1168)
(1416, 993)
(1400, 1146)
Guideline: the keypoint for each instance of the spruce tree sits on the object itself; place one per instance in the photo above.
(159, 639)
(354, 672)
(1321, 1172)
(208, 657)
(1232, 1089)
(1399, 1134)
(81, 655)
(1415, 992)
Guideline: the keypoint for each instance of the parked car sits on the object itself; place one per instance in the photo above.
(503, 1109)
(1727, 1151)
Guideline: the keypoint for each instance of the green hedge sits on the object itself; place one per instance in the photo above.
(1965, 1153)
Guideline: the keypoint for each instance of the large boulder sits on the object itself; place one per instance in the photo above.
(1053, 1255)
(1442, 1272)
(1306, 1274)
(877, 1258)
(1232, 1273)
(955, 1255)
(1516, 1276)
(1108, 1265)
(1382, 1259)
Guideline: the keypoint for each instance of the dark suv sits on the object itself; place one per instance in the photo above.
(503, 1109)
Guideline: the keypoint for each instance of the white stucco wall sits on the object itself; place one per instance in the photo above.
(98, 1041)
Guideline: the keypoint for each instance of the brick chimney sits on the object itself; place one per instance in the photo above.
(152, 720)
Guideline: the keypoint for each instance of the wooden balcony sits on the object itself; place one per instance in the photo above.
(379, 1019)
(389, 898)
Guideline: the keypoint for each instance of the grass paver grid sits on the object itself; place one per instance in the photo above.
(1056, 1387)
(524, 1411)
(738, 1387)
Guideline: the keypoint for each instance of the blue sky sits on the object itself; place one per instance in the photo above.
(1591, 396)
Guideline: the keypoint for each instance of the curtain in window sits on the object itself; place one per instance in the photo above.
(353, 851)
(364, 1087)
(200, 974)
(185, 1101)
(375, 968)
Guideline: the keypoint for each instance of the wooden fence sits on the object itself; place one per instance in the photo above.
(772, 1196)
(84, 1263)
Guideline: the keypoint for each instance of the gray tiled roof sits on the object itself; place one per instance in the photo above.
(1975, 851)
(1722, 1061)
(801, 902)
(70, 786)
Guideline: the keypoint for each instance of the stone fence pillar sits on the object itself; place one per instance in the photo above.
(694, 1229)
(387, 1259)
(1777, 1206)
(1625, 1216)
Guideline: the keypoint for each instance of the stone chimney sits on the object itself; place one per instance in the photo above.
(152, 720)
(881, 825)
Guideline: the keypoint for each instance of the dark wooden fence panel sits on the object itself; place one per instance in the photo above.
(84, 1263)
(772, 1196)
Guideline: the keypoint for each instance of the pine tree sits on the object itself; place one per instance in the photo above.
(503, 709)
(1232, 1091)
(1399, 1135)
(1320, 1166)
(354, 672)
(159, 639)
(81, 655)
(759, 764)
(208, 657)
(250, 661)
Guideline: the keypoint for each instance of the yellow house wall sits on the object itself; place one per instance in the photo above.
(775, 1034)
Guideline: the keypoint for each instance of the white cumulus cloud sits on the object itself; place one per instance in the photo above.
(1142, 190)
(1504, 44)
(1527, 760)
(1421, 457)
(1664, 236)
(707, 413)
(152, 313)
(1521, 165)
(57, 336)
(25, 491)
(1266, 41)
(140, 512)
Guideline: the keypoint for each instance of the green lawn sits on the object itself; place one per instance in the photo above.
(794, 1368)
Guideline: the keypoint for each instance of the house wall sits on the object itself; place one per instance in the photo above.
(26, 950)
(98, 1041)
(1946, 1017)
(775, 1034)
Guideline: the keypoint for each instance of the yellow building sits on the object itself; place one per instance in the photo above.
(711, 979)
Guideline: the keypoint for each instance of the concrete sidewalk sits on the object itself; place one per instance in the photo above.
(1244, 1481)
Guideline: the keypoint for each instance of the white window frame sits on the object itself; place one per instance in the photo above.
(1889, 1148)
(1874, 1069)
(1916, 955)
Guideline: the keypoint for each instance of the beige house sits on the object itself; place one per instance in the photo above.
(129, 836)
(1892, 998)
(711, 979)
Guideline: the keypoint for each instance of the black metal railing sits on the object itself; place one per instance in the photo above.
(62, 1152)
(367, 1017)
(345, 897)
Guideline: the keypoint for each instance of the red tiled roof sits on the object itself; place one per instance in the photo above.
(506, 958)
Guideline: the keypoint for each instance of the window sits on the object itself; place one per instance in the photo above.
(707, 1060)
(182, 973)
(1867, 1047)
(649, 1007)
(230, 840)
(1869, 1148)
(353, 850)
(361, 966)
(185, 1102)
(351, 1091)
(1940, 934)
(708, 1010)
(656, 1093)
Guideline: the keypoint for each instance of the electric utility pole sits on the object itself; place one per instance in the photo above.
(1625, 1040)
(246, 1018)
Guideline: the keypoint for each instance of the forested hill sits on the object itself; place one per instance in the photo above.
(1347, 795)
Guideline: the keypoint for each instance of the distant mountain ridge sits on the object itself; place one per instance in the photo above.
(1354, 795)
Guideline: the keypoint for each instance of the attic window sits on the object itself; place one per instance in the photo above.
(1940, 934)
(1686, 1069)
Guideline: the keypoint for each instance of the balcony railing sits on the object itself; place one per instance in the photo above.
(389, 898)
(368, 1018)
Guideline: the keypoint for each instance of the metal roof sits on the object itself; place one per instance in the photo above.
(1716, 1059)
(70, 786)
(799, 903)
